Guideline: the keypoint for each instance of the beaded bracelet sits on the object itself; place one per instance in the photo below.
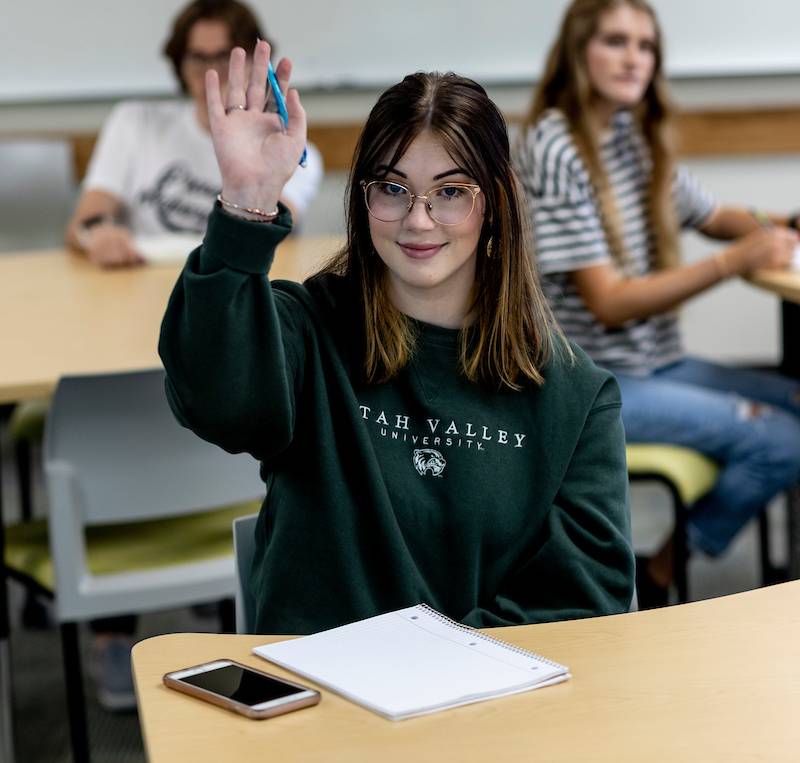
(266, 217)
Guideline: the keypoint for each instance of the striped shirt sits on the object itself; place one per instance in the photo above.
(569, 234)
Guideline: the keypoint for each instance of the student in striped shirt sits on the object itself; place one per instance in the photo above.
(607, 203)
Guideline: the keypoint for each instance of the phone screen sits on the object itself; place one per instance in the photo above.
(241, 685)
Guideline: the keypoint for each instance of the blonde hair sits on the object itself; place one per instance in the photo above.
(565, 86)
(509, 340)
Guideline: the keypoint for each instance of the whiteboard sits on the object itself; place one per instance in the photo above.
(87, 49)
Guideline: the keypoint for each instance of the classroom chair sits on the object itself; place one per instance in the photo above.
(140, 511)
(244, 529)
(688, 475)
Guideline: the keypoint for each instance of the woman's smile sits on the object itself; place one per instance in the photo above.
(420, 251)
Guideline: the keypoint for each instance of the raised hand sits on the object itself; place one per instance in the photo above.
(255, 153)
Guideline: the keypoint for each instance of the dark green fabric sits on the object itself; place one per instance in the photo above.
(519, 515)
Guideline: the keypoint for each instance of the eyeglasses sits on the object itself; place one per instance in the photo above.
(449, 204)
(199, 62)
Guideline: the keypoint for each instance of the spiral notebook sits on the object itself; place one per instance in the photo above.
(413, 662)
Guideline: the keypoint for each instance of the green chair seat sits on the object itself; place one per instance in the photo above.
(130, 547)
(27, 420)
(691, 473)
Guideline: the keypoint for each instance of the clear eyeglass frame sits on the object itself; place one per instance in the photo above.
(412, 197)
(200, 62)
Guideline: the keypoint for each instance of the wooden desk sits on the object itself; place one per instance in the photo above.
(61, 315)
(784, 283)
(717, 680)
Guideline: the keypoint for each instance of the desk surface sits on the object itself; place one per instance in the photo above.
(61, 315)
(714, 681)
(784, 283)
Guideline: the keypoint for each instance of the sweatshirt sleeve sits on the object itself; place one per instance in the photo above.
(233, 348)
(583, 566)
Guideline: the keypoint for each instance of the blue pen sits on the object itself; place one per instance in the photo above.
(284, 115)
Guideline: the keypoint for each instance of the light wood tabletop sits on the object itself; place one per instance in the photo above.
(717, 680)
(784, 283)
(61, 315)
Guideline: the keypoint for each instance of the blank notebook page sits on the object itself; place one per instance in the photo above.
(412, 662)
(167, 248)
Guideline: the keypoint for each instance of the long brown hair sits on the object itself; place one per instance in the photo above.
(509, 339)
(565, 86)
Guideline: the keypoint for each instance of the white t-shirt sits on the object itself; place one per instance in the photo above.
(160, 163)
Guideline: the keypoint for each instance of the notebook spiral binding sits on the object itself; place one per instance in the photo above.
(477, 634)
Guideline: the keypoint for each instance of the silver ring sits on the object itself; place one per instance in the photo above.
(235, 108)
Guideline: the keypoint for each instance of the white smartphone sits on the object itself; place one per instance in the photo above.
(242, 689)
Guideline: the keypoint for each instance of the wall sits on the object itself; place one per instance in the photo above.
(753, 61)
(95, 48)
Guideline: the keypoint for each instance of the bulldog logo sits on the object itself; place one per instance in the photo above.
(429, 460)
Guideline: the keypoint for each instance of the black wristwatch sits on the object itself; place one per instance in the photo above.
(99, 219)
(85, 227)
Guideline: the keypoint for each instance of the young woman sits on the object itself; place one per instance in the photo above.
(607, 202)
(422, 433)
(153, 170)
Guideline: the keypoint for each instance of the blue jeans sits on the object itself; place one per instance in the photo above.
(710, 408)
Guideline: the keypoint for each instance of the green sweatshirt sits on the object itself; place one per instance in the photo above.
(494, 508)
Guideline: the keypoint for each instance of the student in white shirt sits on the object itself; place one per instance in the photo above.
(153, 170)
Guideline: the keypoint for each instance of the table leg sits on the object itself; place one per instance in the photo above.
(790, 366)
(6, 699)
(793, 529)
(6, 714)
(790, 337)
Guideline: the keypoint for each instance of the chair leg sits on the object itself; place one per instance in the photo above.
(680, 552)
(227, 615)
(6, 694)
(768, 572)
(793, 522)
(6, 705)
(76, 702)
(34, 613)
(23, 459)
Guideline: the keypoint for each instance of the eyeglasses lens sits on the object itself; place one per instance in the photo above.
(447, 204)
(202, 61)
